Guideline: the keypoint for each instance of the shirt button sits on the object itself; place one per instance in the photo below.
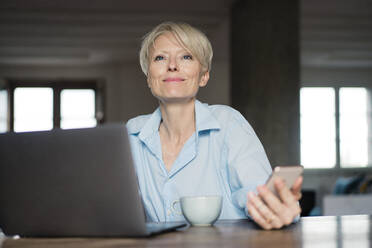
(169, 212)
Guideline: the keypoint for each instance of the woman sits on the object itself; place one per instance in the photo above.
(188, 148)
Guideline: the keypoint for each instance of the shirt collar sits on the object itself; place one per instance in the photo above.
(204, 117)
(151, 126)
(204, 121)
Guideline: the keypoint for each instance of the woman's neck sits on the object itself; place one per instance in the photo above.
(178, 120)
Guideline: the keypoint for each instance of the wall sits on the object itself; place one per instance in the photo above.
(265, 73)
(336, 75)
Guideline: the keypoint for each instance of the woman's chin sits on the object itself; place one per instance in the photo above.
(176, 99)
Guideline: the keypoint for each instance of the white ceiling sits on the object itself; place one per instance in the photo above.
(333, 32)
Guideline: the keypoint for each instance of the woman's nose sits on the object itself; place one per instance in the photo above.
(172, 66)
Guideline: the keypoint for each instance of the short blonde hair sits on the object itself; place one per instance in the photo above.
(193, 40)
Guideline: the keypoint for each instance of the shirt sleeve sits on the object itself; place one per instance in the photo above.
(248, 165)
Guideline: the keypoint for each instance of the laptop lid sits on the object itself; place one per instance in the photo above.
(78, 182)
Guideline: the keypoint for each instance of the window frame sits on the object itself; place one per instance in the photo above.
(57, 86)
(337, 168)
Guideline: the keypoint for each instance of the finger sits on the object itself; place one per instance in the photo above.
(297, 196)
(267, 213)
(271, 200)
(282, 211)
(285, 194)
(296, 188)
(285, 212)
(262, 208)
(256, 216)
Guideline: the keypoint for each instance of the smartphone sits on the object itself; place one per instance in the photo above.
(288, 173)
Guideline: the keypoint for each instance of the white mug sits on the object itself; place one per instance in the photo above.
(200, 210)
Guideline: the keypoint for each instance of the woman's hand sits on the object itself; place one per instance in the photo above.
(271, 212)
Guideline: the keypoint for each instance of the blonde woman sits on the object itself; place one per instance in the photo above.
(189, 148)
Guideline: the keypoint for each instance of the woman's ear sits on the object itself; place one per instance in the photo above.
(204, 79)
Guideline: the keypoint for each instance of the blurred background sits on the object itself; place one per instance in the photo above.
(299, 71)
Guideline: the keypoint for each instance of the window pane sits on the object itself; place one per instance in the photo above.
(353, 127)
(3, 111)
(78, 108)
(33, 109)
(318, 141)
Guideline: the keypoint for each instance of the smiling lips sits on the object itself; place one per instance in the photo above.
(173, 79)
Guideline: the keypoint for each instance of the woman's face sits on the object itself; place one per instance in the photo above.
(174, 73)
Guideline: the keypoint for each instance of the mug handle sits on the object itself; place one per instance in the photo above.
(174, 207)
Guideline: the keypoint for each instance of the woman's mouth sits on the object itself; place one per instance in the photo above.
(173, 79)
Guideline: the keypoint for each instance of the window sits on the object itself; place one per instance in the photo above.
(78, 108)
(36, 106)
(3, 110)
(334, 127)
(33, 109)
(353, 127)
(318, 146)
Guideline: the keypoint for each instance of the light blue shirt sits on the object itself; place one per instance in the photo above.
(223, 157)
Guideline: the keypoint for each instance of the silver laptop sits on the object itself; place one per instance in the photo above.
(75, 183)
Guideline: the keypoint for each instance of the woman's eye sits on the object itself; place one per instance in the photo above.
(159, 57)
(187, 57)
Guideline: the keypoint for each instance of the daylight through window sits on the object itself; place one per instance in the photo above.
(334, 127)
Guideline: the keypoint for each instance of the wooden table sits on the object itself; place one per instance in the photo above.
(329, 232)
